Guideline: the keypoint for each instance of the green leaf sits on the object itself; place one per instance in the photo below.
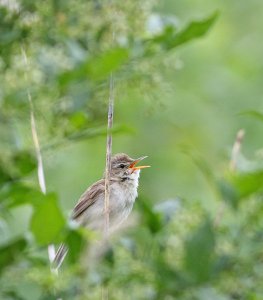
(170, 38)
(25, 162)
(47, 221)
(240, 186)
(248, 183)
(97, 68)
(9, 253)
(4, 175)
(78, 120)
(228, 192)
(75, 243)
(28, 290)
(88, 134)
(252, 113)
(17, 193)
(103, 65)
(151, 218)
(194, 30)
(199, 252)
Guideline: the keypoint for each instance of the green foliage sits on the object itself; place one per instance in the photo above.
(237, 187)
(11, 252)
(98, 67)
(75, 243)
(16, 193)
(152, 219)
(254, 114)
(24, 162)
(4, 176)
(12, 30)
(171, 38)
(199, 252)
(47, 220)
(197, 232)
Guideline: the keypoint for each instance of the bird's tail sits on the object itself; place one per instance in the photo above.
(60, 256)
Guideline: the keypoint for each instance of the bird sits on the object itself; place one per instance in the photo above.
(89, 210)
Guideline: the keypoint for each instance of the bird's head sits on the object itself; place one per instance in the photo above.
(124, 167)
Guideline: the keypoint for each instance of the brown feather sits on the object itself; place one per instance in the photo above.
(88, 198)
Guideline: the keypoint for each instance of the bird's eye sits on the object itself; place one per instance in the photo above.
(121, 166)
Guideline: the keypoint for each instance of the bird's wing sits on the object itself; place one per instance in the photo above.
(88, 198)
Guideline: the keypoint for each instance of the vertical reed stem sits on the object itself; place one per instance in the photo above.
(108, 157)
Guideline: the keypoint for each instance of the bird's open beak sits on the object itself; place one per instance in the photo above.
(132, 165)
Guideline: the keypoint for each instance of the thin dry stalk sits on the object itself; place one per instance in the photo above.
(233, 167)
(104, 293)
(108, 157)
(236, 150)
(109, 140)
(40, 168)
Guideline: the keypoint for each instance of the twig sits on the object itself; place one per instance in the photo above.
(219, 214)
(233, 167)
(109, 148)
(108, 157)
(40, 168)
(104, 292)
(236, 149)
(86, 134)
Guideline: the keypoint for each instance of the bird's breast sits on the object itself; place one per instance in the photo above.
(123, 193)
(122, 197)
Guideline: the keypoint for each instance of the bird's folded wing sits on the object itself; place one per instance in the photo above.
(88, 198)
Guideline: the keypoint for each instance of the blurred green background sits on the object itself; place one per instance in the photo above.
(199, 229)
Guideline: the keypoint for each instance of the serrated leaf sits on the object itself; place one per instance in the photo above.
(170, 38)
(194, 30)
(47, 221)
(199, 252)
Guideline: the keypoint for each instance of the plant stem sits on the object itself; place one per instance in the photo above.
(108, 156)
